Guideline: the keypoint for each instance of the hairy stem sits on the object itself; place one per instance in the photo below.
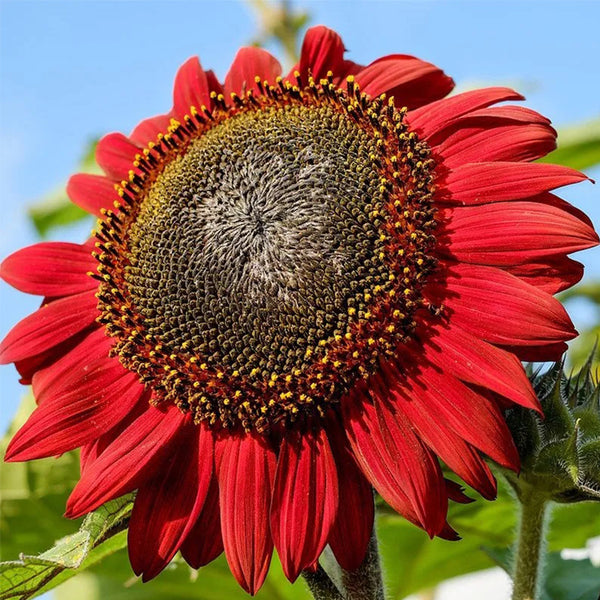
(366, 583)
(528, 564)
(320, 585)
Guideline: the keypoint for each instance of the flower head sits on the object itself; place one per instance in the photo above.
(300, 288)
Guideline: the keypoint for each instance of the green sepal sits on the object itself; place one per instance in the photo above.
(560, 453)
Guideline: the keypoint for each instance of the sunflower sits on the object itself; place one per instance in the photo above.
(300, 287)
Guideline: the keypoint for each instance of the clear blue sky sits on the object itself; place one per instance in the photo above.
(74, 70)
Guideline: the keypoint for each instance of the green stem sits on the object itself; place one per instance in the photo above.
(366, 583)
(528, 564)
(320, 585)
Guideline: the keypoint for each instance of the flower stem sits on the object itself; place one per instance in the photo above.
(366, 583)
(320, 585)
(528, 564)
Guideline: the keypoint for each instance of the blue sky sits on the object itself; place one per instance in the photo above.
(73, 70)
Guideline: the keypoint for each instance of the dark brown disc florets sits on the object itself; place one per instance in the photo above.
(268, 253)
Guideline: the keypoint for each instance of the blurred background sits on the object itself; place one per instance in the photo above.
(72, 71)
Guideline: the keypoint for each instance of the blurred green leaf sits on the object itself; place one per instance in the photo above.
(279, 22)
(578, 146)
(113, 579)
(55, 209)
(414, 563)
(579, 349)
(31, 575)
(563, 579)
(33, 496)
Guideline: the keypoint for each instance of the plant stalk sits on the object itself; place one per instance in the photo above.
(528, 562)
(320, 585)
(366, 583)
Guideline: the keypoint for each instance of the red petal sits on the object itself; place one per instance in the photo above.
(551, 276)
(167, 506)
(412, 82)
(115, 153)
(456, 492)
(247, 64)
(50, 269)
(204, 542)
(245, 470)
(392, 457)
(305, 500)
(93, 346)
(128, 461)
(506, 114)
(191, 88)
(48, 326)
(451, 448)
(92, 192)
(91, 451)
(213, 83)
(488, 142)
(353, 524)
(472, 360)
(513, 233)
(502, 309)
(86, 404)
(444, 399)
(322, 51)
(480, 183)
(541, 353)
(147, 131)
(429, 119)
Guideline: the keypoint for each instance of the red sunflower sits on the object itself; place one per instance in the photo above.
(300, 288)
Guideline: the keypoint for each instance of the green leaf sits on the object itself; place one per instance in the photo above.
(30, 575)
(414, 563)
(113, 579)
(564, 579)
(55, 209)
(578, 146)
(33, 497)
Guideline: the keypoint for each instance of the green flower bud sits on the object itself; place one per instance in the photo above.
(560, 453)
